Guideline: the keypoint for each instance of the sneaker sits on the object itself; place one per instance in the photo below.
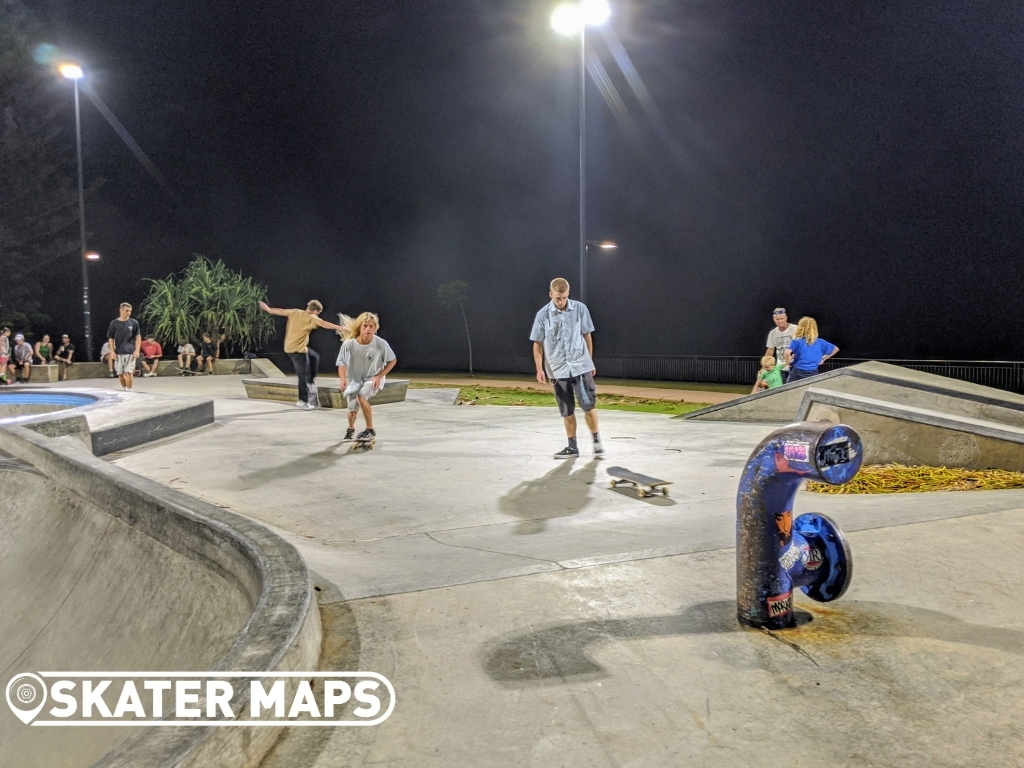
(350, 434)
(112, 375)
(567, 453)
(598, 449)
(367, 434)
(306, 406)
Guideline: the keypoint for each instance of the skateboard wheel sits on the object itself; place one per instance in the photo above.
(614, 484)
(641, 492)
(665, 491)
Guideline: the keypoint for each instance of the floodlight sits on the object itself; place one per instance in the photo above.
(71, 71)
(608, 245)
(92, 256)
(595, 12)
(567, 19)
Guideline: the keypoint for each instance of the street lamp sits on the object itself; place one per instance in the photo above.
(573, 19)
(74, 72)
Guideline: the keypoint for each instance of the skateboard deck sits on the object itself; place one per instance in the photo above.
(645, 484)
(186, 372)
(312, 398)
(363, 445)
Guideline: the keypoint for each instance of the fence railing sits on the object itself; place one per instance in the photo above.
(737, 369)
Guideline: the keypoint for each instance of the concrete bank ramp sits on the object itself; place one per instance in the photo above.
(879, 381)
(102, 570)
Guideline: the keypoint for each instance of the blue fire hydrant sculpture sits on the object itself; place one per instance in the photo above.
(775, 553)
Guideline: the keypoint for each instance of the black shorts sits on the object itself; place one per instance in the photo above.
(578, 388)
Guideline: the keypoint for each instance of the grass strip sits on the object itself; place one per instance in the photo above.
(898, 478)
(533, 397)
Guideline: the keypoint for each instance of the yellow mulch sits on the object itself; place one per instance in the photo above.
(897, 478)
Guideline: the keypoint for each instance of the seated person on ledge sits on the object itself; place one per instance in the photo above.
(107, 357)
(44, 350)
(21, 359)
(185, 354)
(208, 353)
(64, 356)
(151, 354)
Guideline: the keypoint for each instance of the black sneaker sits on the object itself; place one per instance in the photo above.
(567, 453)
(367, 434)
(350, 434)
(111, 375)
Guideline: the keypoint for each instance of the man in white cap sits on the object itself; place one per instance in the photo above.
(779, 338)
(21, 359)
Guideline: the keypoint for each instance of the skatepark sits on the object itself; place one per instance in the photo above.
(526, 612)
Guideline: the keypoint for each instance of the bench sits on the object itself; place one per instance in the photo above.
(329, 395)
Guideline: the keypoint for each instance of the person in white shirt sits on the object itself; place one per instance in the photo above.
(779, 338)
(363, 362)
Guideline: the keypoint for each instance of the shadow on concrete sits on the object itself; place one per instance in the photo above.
(562, 652)
(304, 465)
(559, 493)
(301, 747)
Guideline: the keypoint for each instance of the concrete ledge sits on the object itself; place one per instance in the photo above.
(116, 420)
(895, 432)
(283, 630)
(264, 368)
(44, 374)
(329, 396)
(227, 367)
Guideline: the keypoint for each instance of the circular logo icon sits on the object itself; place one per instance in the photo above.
(26, 696)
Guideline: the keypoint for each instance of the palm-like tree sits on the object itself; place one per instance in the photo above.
(454, 294)
(209, 297)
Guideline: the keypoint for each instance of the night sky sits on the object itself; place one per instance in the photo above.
(861, 162)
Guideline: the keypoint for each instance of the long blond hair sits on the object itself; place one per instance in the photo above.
(352, 325)
(807, 329)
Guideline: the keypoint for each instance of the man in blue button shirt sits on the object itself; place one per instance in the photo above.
(563, 349)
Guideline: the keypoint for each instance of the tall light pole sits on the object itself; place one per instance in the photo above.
(74, 72)
(573, 19)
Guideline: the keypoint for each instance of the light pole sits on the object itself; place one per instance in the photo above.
(573, 19)
(74, 72)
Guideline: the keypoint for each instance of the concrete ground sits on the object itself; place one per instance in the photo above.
(528, 614)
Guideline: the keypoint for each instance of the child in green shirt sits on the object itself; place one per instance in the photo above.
(770, 375)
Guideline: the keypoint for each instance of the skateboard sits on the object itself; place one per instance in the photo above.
(645, 484)
(312, 398)
(186, 372)
(363, 445)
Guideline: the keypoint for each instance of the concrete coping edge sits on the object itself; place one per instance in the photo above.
(282, 633)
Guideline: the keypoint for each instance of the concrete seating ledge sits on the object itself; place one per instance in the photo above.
(261, 367)
(286, 390)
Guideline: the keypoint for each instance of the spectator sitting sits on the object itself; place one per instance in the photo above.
(44, 350)
(208, 353)
(807, 351)
(21, 359)
(107, 357)
(64, 356)
(185, 354)
(770, 375)
(151, 354)
(5, 353)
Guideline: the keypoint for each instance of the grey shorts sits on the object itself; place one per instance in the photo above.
(366, 390)
(579, 388)
(124, 364)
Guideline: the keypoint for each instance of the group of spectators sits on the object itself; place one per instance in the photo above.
(17, 356)
(150, 352)
(793, 352)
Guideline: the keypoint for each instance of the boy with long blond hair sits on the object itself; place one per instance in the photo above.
(363, 362)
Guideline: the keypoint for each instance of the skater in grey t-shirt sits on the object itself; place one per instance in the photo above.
(363, 362)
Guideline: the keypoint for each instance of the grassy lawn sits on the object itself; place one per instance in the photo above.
(739, 389)
(517, 396)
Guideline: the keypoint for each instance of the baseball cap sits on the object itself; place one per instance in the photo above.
(779, 311)
(19, 337)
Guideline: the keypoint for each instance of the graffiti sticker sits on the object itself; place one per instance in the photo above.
(780, 605)
(784, 522)
(796, 451)
(790, 557)
(812, 559)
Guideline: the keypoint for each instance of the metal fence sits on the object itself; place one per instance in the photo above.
(738, 369)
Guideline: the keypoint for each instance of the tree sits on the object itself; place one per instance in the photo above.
(208, 297)
(456, 293)
(38, 186)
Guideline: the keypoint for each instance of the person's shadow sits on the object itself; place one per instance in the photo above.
(559, 493)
